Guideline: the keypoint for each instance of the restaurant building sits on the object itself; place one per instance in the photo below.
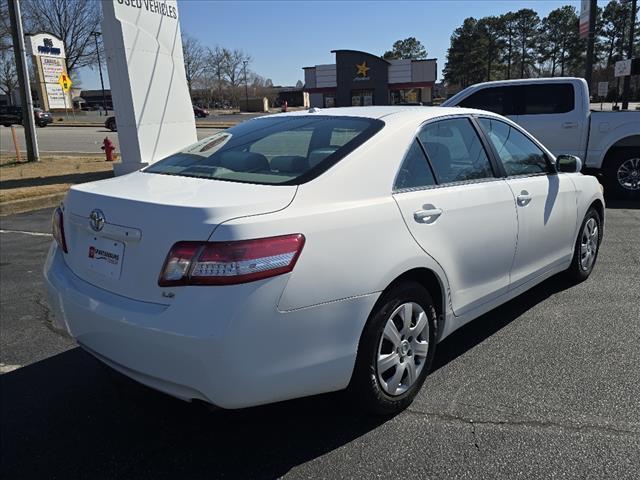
(360, 78)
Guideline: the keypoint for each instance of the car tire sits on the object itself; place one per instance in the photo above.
(623, 161)
(586, 248)
(384, 380)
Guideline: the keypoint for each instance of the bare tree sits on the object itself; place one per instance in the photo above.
(216, 60)
(194, 60)
(234, 73)
(8, 73)
(72, 21)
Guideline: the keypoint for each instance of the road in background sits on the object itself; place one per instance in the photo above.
(71, 139)
(546, 386)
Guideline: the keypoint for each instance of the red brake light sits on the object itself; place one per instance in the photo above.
(227, 263)
(57, 229)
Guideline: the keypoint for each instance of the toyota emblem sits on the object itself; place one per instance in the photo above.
(96, 219)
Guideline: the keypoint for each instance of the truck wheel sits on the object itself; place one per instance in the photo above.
(622, 173)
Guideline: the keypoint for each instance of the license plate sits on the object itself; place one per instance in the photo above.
(105, 256)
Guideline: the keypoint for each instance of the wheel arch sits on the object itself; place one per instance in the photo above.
(629, 141)
(432, 282)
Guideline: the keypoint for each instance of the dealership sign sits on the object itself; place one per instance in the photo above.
(49, 60)
(143, 47)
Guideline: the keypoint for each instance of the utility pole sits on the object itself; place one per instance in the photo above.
(246, 85)
(28, 121)
(104, 98)
(627, 79)
(593, 12)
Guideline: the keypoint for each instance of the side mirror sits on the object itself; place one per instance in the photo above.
(568, 163)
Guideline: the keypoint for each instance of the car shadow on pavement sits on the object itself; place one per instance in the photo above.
(626, 204)
(475, 332)
(66, 417)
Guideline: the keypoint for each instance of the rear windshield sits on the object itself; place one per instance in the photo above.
(286, 150)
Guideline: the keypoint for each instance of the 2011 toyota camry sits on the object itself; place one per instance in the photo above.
(316, 251)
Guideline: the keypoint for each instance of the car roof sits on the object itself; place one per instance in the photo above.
(388, 113)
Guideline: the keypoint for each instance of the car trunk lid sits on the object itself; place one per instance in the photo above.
(120, 230)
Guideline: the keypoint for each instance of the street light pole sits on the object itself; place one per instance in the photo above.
(593, 11)
(28, 120)
(246, 85)
(627, 79)
(104, 98)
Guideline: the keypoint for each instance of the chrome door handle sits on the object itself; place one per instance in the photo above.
(524, 198)
(570, 125)
(429, 215)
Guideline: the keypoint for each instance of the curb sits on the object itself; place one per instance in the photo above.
(34, 203)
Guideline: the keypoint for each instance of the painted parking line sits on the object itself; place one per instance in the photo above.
(6, 368)
(22, 232)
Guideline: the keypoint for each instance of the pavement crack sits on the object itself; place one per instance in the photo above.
(550, 424)
(48, 318)
(475, 437)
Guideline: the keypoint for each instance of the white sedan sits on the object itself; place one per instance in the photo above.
(315, 251)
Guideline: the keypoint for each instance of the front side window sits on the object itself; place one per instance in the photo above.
(280, 150)
(415, 171)
(518, 154)
(496, 99)
(455, 151)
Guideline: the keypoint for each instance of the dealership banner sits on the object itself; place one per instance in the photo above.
(585, 6)
(151, 99)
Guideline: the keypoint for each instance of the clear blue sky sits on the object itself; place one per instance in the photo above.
(282, 37)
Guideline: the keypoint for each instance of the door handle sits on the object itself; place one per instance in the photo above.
(524, 198)
(570, 125)
(429, 215)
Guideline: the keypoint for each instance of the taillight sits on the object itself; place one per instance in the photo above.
(57, 229)
(227, 263)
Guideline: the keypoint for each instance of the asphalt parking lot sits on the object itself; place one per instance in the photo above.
(546, 386)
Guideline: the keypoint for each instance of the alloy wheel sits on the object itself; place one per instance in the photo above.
(629, 174)
(588, 244)
(403, 348)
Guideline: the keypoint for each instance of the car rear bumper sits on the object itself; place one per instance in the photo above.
(230, 353)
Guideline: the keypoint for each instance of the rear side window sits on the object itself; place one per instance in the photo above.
(286, 150)
(415, 171)
(496, 99)
(455, 151)
(546, 99)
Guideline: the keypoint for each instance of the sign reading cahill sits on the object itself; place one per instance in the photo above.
(148, 82)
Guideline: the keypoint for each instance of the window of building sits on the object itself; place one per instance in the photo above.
(415, 171)
(518, 154)
(407, 95)
(455, 151)
(361, 98)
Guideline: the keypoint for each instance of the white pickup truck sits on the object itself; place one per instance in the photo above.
(556, 111)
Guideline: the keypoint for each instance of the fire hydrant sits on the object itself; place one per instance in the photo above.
(107, 146)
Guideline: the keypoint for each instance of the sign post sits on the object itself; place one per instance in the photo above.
(143, 47)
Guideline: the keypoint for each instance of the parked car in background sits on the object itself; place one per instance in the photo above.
(200, 112)
(556, 111)
(110, 123)
(12, 115)
(257, 265)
